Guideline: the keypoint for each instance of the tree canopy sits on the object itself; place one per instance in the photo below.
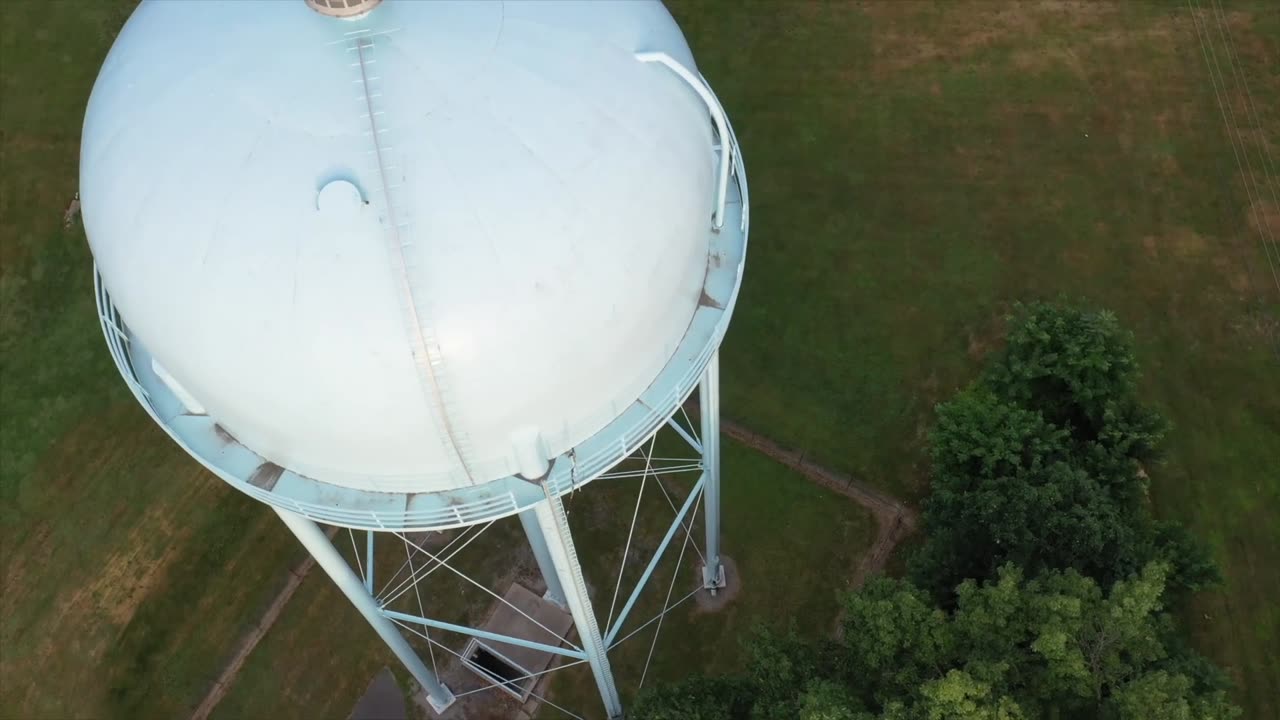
(1039, 463)
(1053, 646)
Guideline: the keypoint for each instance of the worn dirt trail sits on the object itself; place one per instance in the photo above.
(894, 519)
(251, 638)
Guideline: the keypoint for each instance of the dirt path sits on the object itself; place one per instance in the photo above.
(251, 639)
(895, 520)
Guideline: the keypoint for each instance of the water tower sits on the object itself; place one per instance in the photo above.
(414, 266)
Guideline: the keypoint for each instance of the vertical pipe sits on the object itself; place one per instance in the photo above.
(327, 557)
(555, 526)
(709, 415)
(368, 561)
(541, 553)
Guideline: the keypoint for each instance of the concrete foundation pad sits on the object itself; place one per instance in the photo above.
(440, 708)
(552, 623)
(724, 595)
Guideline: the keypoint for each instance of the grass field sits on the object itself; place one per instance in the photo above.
(915, 168)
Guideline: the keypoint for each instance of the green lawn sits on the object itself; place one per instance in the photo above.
(915, 168)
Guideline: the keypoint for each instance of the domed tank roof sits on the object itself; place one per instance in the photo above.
(397, 252)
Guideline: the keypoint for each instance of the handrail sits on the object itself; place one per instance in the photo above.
(717, 115)
(738, 170)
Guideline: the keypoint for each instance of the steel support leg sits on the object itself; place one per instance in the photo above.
(709, 414)
(555, 527)
(327, 557)
(542, 554)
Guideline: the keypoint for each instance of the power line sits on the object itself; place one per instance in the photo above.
(1268, 165)
(1228, 119)
(1216, 79)
(1251, 183)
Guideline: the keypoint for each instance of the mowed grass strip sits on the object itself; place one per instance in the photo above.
(917, 167)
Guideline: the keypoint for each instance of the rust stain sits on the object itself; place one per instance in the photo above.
(226, 437)
(706, 300)
(266, 476)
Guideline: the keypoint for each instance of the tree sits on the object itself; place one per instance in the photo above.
(1161, 695)
(896, 634)
(1039, 463)
(959, 696)
(1076, 367)
(1088, 642)
(1055, 646)
(780, 663)
(1007, 487)
(829, 700)
(1191, 564)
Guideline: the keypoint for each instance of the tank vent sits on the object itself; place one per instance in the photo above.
(342, 8)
